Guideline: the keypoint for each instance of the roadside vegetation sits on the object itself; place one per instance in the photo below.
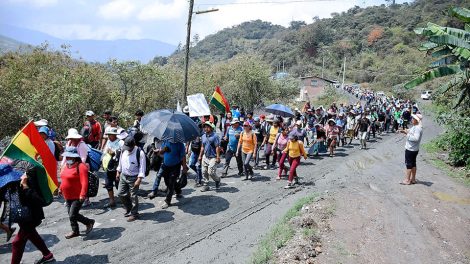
(450, 49)
(281, 233)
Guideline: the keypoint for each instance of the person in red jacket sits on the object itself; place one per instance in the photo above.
(74, 188)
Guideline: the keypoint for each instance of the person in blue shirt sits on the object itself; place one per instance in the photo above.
(174, 157)
(210, 156)
(235, 112)
(233, 135)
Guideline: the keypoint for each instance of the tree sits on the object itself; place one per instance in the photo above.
(451, 47)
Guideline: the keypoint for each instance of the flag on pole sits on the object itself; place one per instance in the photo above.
(28, 145)
(219, 100)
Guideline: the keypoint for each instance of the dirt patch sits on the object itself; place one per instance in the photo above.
(309, 227)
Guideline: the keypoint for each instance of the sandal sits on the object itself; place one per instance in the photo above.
(405, 183)
(71, 235)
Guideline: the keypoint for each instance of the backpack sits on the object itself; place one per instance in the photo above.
(94, 158)
(147, 161)
(196, 145)
(93, 183)
(58, 150)
(86, 132)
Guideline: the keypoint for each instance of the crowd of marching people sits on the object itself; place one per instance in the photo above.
(263, 142)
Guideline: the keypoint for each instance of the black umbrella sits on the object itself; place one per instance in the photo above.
(170, 125)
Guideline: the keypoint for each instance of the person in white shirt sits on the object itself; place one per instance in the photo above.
(112, 148)
(130, 172)
(413, 140)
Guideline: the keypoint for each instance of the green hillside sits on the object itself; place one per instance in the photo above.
(8, 44)
(378, 42)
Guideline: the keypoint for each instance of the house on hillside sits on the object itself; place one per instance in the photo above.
(312, 86)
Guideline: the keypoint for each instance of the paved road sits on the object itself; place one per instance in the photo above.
(225, 226)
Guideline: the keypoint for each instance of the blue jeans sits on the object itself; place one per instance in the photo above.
(195, 165)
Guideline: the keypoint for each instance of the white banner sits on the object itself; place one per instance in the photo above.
(198, 105)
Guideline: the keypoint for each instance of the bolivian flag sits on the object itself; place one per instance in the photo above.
(28, 145)
(219, 100)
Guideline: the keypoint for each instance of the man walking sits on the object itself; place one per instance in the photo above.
(174, 156)
(92, 130)
(233, 136)
(130, 172)
(210, 156)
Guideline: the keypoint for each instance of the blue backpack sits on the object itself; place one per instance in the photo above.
(94, 158)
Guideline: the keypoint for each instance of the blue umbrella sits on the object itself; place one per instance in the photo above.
(170, 125)
(280, 110)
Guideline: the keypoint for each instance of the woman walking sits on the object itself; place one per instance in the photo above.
(30, 197)
(294, 149)
(332, 132)
(74, 188)
(279, 145)
(413, 139)
(247, 144)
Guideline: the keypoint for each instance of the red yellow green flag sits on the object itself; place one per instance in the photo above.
(218, 100)
(28, 145)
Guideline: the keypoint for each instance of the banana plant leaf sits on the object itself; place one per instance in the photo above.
(433, 74)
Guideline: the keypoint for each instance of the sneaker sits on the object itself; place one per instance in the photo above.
(89, 227)
(151, 195)
(127, 214)
(289, 186)
(165, 205)
(217, 185)
(205, 188)
(46, 259)
(197, 185)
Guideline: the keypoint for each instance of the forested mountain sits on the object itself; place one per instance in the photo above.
(92, 50)
(378, 42)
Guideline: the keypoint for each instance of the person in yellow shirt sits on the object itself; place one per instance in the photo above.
(270, 131)
(294, 149)
(247, 143)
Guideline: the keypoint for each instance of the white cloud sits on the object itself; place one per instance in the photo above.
(85, 31)
(163, 11)
(38, 3)
(116, 9)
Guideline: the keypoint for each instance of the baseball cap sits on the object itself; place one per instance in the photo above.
(129, 143)
(89, 113)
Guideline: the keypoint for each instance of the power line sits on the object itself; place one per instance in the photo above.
(265, 2)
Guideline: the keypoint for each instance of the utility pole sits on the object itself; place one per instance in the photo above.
(186, 58)
(344, 72)
(188, 38)
(323, 66)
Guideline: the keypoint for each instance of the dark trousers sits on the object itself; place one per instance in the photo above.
(73, 209)
(170, 174)
(27, 232)
(228, 157)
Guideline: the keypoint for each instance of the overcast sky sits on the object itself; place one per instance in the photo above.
(163, 20)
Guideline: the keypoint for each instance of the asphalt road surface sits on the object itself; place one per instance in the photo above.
(376, 219)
